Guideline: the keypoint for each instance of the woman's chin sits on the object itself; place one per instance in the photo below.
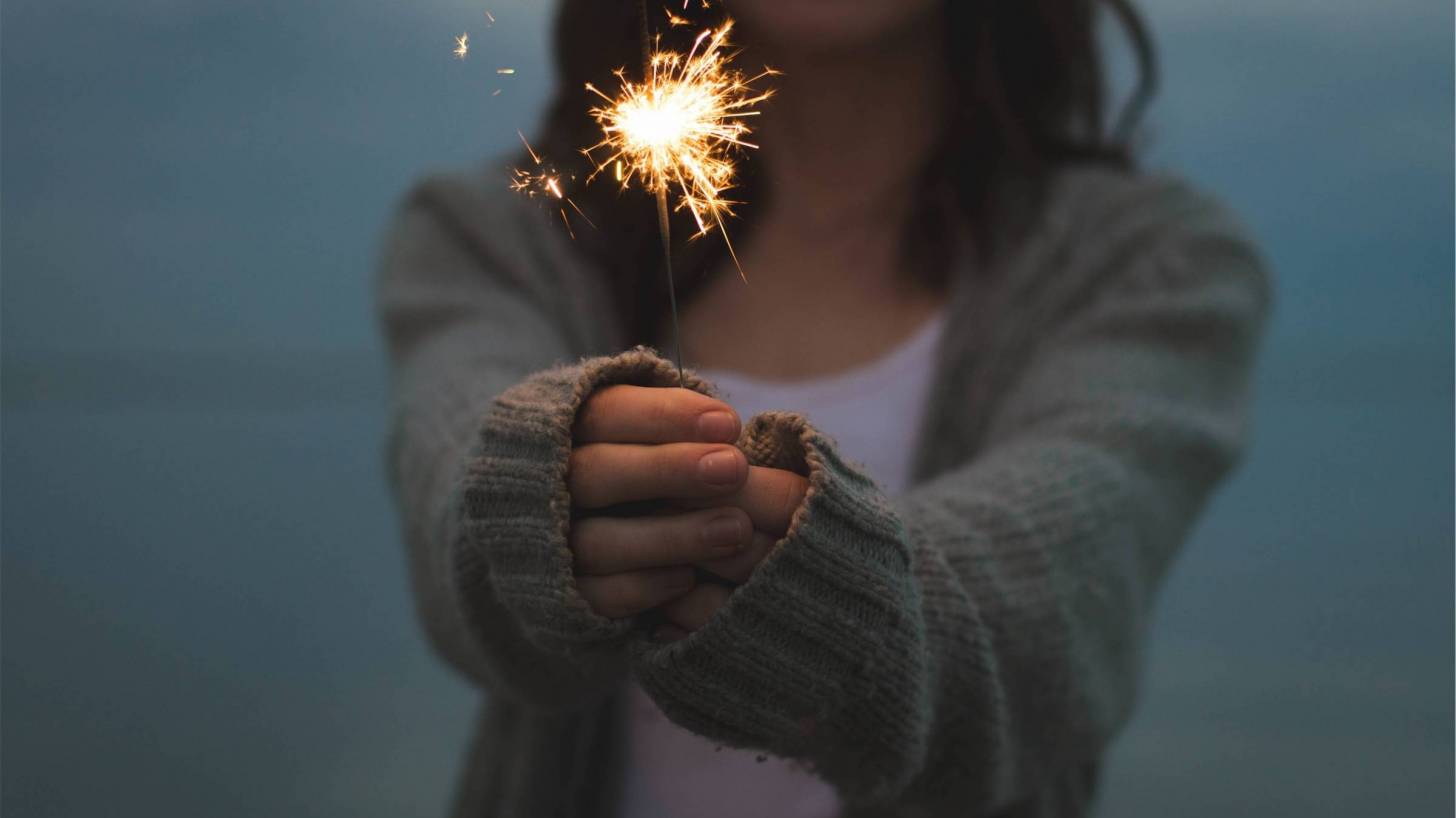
(810, 26)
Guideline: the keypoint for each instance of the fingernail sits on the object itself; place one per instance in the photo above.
(724, 535)
(719, 468)
(717, 427)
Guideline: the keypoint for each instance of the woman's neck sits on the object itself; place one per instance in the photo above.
(846, 134)
(843, 143)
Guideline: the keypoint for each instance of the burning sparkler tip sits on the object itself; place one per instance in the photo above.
(678, 128)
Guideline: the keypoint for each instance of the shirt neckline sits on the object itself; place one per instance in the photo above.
(872, 374)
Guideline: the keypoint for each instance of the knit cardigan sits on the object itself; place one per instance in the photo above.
(970, 647)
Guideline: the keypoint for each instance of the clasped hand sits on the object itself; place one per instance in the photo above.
(659, 491)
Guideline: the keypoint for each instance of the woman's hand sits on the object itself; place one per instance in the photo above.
(635, 444)
(638, 444)
(769, 497)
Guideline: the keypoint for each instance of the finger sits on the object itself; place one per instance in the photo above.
(645, 414)
(604, 474)
(739, 567)
(617, 595)
(693, 609)
(610, 545)
(770, 496)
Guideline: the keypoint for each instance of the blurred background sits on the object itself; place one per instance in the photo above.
(205, 609)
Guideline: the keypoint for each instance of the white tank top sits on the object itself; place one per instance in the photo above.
(873, 412)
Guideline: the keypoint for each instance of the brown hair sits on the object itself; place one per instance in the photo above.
(1030, 97)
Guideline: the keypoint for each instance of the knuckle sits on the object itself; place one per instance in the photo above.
(634, 543)
(636, 592)
(583, 468)
(686, 604)
(670, 582)
(662, 409)
(589, 417)
(676, 467)
(577, 470)
(716, 596)
(624, 594)
(676, 609)
(584, 539)
(787, 491)
(735, 569)
(579, 462)
(698, 606)
(631, 594)
(597, 594)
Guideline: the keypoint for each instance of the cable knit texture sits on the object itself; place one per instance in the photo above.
(967, 648)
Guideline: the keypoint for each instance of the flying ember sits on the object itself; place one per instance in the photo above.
(545, 180)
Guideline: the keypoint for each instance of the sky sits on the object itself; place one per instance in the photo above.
(204, 602)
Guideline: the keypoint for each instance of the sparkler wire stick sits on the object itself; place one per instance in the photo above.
(664, 227)
(665, 230)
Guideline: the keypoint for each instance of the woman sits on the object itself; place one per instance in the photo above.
(1033, 357)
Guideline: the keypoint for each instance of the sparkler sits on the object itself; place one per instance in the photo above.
(676, 132)
(545, 180)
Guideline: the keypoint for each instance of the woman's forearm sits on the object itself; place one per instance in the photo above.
(465, 322)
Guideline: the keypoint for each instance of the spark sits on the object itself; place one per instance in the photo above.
(505, 70)
(673, 19)
(676, 133)
(462, 45)
(490, 17)
(545, 180)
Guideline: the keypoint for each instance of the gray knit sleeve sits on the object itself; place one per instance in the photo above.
(476, 301)
(517, 509)
(981, 634)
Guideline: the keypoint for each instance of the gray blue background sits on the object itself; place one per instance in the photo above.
(204, 605)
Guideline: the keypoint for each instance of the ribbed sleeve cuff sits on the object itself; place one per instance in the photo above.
(516, 508)
(819, 656)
